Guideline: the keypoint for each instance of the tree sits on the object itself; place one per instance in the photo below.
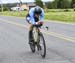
(7, 7)
(48, 5)
(51, 5)
(39, 3)
(63, 4)
(56, 3)
(67, 4)
(73, 3)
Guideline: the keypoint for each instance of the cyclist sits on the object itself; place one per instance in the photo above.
(34, 17)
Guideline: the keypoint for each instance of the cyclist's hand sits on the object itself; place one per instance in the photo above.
(40, 23)
(36, 23)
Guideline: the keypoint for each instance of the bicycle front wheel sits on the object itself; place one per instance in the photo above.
(42, 45)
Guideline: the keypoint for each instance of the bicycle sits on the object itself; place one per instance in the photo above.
(38, 41)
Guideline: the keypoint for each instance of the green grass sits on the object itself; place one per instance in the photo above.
(52, 14)
(61, 16)
(15, 13)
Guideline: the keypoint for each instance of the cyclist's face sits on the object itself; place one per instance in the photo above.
(37, 15)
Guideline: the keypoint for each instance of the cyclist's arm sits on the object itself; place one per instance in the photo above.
(31, 13)
(42, 16)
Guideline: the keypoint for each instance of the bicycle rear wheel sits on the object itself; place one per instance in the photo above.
(42, 45)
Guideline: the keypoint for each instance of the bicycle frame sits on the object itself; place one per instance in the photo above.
(38, 40)
(36, 31)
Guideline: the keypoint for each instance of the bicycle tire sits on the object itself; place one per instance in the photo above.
(44, 45)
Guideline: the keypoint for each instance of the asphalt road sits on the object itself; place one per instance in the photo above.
(14, 48)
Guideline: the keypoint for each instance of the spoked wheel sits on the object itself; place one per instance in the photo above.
(41, 46)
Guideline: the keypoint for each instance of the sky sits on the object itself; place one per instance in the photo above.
(12, 1)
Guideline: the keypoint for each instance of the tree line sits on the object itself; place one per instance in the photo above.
(57, 4)
(7, 7)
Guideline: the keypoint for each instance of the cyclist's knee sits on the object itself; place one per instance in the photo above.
(30, 27)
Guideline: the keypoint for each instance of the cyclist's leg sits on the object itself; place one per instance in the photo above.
(31, 40)
(30, 33)
(30, 28)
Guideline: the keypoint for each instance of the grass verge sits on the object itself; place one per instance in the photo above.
(50, 15)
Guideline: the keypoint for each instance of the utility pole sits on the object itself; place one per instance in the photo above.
(44, 6)
(20, 7)
(20, 2)
(1, 6)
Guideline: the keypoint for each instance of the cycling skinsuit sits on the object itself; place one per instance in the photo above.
(31, 16)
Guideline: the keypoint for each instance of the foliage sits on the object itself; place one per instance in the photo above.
(39, 3)
(63, 4)
(73, 4)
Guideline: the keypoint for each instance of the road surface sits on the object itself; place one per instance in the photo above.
(14, 48)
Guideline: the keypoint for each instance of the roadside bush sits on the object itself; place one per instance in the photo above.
(74, 9)
(0, 9)
(66, 10)
(6, 9)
